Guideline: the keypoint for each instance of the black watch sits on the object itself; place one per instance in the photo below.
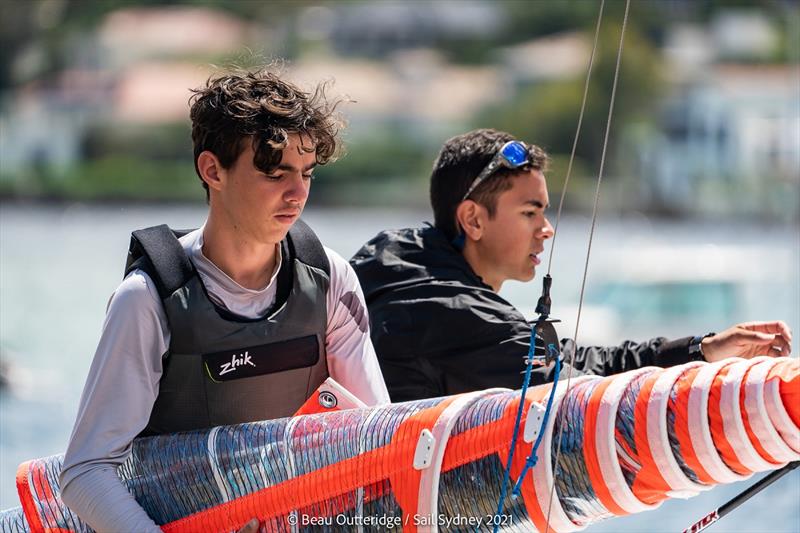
(696, 347)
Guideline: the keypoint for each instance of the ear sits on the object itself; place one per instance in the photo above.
(211, 170)
(470, 218)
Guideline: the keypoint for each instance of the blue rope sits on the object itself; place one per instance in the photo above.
(530, 462)
(515, 435)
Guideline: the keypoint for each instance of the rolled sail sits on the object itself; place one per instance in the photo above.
(614, 446)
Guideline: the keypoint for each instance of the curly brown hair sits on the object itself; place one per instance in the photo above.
(259, 106)
(460, 161)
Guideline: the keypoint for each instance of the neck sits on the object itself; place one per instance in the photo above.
(480, 268)
(246, 261)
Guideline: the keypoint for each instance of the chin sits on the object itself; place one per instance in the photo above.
(525, 276)
(274, 235)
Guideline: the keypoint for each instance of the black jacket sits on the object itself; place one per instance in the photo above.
(439, 330)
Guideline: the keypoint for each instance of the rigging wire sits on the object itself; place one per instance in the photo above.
(577, 135)
(591, 235)
(532, 459)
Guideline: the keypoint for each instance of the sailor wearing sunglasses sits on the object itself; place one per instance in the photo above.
(439, 325)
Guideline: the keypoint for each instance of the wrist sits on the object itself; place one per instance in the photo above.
(699, 347)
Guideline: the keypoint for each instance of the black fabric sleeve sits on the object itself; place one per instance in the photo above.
(447, 341)
(605, 361)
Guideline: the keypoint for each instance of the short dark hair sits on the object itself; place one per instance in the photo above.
(258, 105)
(460, 161)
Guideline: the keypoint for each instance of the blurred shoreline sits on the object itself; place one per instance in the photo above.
(420, 203)
(95, 96)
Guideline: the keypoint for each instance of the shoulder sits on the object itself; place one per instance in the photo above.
(343, 277)
(137, 289)
(192, 241)
(450, 304)
(391, 240)
(136, 308)
(345, 298)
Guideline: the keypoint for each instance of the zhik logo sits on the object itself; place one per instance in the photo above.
(236, 362)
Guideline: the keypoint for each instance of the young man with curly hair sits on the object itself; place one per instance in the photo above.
(439, 325)
(237, 321)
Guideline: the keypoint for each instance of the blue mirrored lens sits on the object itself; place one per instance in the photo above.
(516, 154)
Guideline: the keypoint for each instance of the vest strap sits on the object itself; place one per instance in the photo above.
(302, 244)
(305, 246)
(157, 251)
(159, 247)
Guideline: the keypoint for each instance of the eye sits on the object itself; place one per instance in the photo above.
(308, 176)
(529, 214)
(272, 177)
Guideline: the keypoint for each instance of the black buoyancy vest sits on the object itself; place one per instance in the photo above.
(222, 368)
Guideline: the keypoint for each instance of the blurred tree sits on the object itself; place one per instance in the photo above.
(18, 25)
(383, 155)
(161, 142)
(390, 159)
(528, 20)
(546, 113)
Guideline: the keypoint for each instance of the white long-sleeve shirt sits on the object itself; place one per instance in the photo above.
(123, 380)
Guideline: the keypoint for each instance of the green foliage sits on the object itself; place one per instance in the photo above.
(155, 162)
(547, 113)
(133, 178)
(388, 165)
(145, 141)
(110, 178)
(379, 156)
(528, 20)
(467, 51)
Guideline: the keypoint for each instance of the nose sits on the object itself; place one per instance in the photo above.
(296, 191)
(546, 231)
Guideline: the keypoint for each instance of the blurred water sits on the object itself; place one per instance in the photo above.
(59, 265)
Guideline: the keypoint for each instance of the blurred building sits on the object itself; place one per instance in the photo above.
(728, 137)
(737, 129)
(562, 56)
(136, 67)
(377, 28)
(415, 90)
(43, 125)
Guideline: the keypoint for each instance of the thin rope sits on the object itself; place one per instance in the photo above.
(549, 266)
(577, 135)
(533, 458)
(507, 472)
(591, 236)
(515, 433)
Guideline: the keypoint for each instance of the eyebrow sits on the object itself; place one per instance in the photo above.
(537, 203)
(292, 168)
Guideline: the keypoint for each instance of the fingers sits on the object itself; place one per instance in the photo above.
(781, 346)
(773, 345)
(777, 327)
(774, 351)
(784, 331)
(758, 332)
(754, 337)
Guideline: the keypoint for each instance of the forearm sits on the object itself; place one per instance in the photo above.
(115, 406)
(609, 360)
(674, 352)
(103, 502)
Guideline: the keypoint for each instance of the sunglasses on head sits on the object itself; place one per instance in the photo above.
(512, 154)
